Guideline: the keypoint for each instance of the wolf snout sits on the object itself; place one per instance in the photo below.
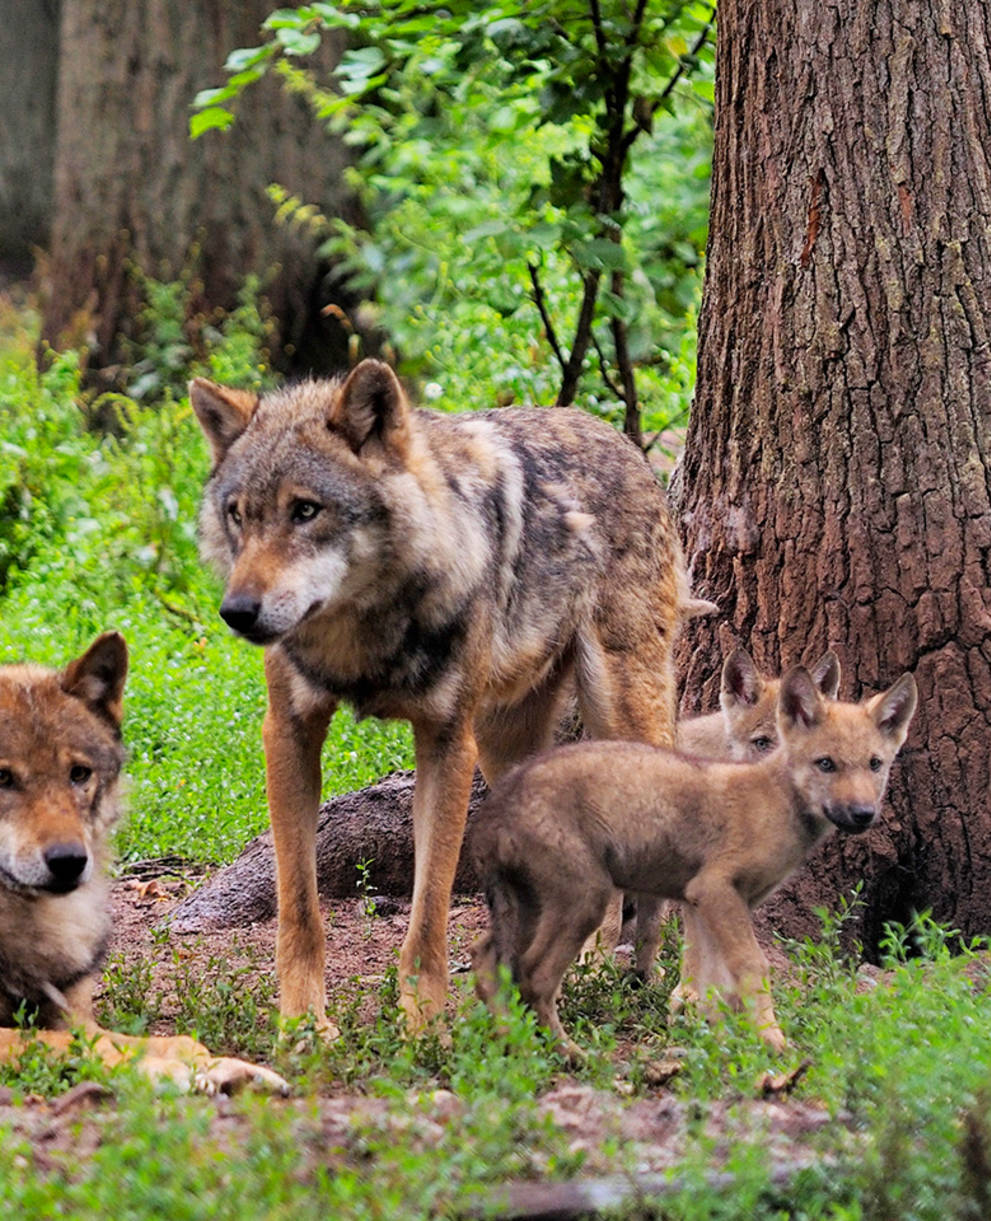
(240, 612)
(853, 818)
(66, 863)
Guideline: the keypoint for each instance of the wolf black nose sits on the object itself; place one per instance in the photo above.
(66, 863)
(240, 612)
(861, 816)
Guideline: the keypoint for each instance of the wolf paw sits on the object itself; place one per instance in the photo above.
(227, 1075)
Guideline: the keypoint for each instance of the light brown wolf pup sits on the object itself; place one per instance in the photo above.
(563, 831)
(60, 761)
(745, 727)
(462, 572)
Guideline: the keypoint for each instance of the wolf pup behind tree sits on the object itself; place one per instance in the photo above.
(745, 728)
(561, 832)
(60, 761)
(460, 572)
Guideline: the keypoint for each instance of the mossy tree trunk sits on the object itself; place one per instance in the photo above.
(837, 480)
(131, 188)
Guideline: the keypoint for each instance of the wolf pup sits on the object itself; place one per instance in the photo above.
(461, 572)
(561, 832)
(745, 728)
(60, 760)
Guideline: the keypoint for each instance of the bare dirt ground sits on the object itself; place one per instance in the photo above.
(651, 1130)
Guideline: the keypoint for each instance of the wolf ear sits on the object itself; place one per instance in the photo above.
(799, 703)
(741, 683)
(97, 678)
(893, 709)
(371, 406)
(223, 413)
(826, 674)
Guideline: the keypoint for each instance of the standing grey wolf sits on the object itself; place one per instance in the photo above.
(745, 728)
(464, 573)
(60, 761)
(563, 831)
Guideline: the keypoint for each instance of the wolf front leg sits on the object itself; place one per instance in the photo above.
(445, 760)
(731, 952)
(293, 733)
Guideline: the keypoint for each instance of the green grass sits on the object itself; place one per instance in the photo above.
(903, 1068)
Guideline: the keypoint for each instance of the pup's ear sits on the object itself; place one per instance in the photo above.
(371, 406)
(893, 709)
(97, 678)
(741, 683)
(800, 706)
(223, 413)
(826, 674)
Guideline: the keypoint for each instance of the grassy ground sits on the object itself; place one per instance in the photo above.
(96, 531)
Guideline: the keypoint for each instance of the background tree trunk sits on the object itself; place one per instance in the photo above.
(836, 480)
(28, 71)
(132, 188)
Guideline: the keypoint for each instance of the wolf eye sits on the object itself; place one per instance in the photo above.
(6, 778)
(761, 744)
(303, 510)
(875, 763)
(79, 773)
(234, 513)
(825, 764)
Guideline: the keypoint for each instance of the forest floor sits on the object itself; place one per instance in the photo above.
(651, 1128)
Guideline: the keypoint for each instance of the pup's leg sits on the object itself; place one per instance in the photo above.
(727, 923)
(445, 760)
(568, 914)
(626, 691)
(293, 737)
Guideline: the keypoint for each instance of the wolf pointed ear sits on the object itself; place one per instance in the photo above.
(799, 703)
(371, 406)
(826, 674)
(741, 683)
(893, 709)
(97, 678)
(223, 413)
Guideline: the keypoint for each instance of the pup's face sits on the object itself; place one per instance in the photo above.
(839, 754)
(293, 514)
(60, 759)
(750, 703)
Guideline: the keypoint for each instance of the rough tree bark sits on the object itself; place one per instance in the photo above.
(132, 188)
(837, 479)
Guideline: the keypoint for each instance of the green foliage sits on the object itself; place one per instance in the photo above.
(535, 194)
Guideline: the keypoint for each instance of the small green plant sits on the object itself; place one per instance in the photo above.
(364, 886)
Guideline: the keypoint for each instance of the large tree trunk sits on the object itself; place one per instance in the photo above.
(131, 188)
(837, 485)
(28, 70)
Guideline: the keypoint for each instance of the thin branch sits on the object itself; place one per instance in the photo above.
(579, 346)
(610, 384)
(600, 37)
(541, 303)
(644, 120)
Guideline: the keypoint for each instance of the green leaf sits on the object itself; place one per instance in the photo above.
(296, 42)
(207, 120)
